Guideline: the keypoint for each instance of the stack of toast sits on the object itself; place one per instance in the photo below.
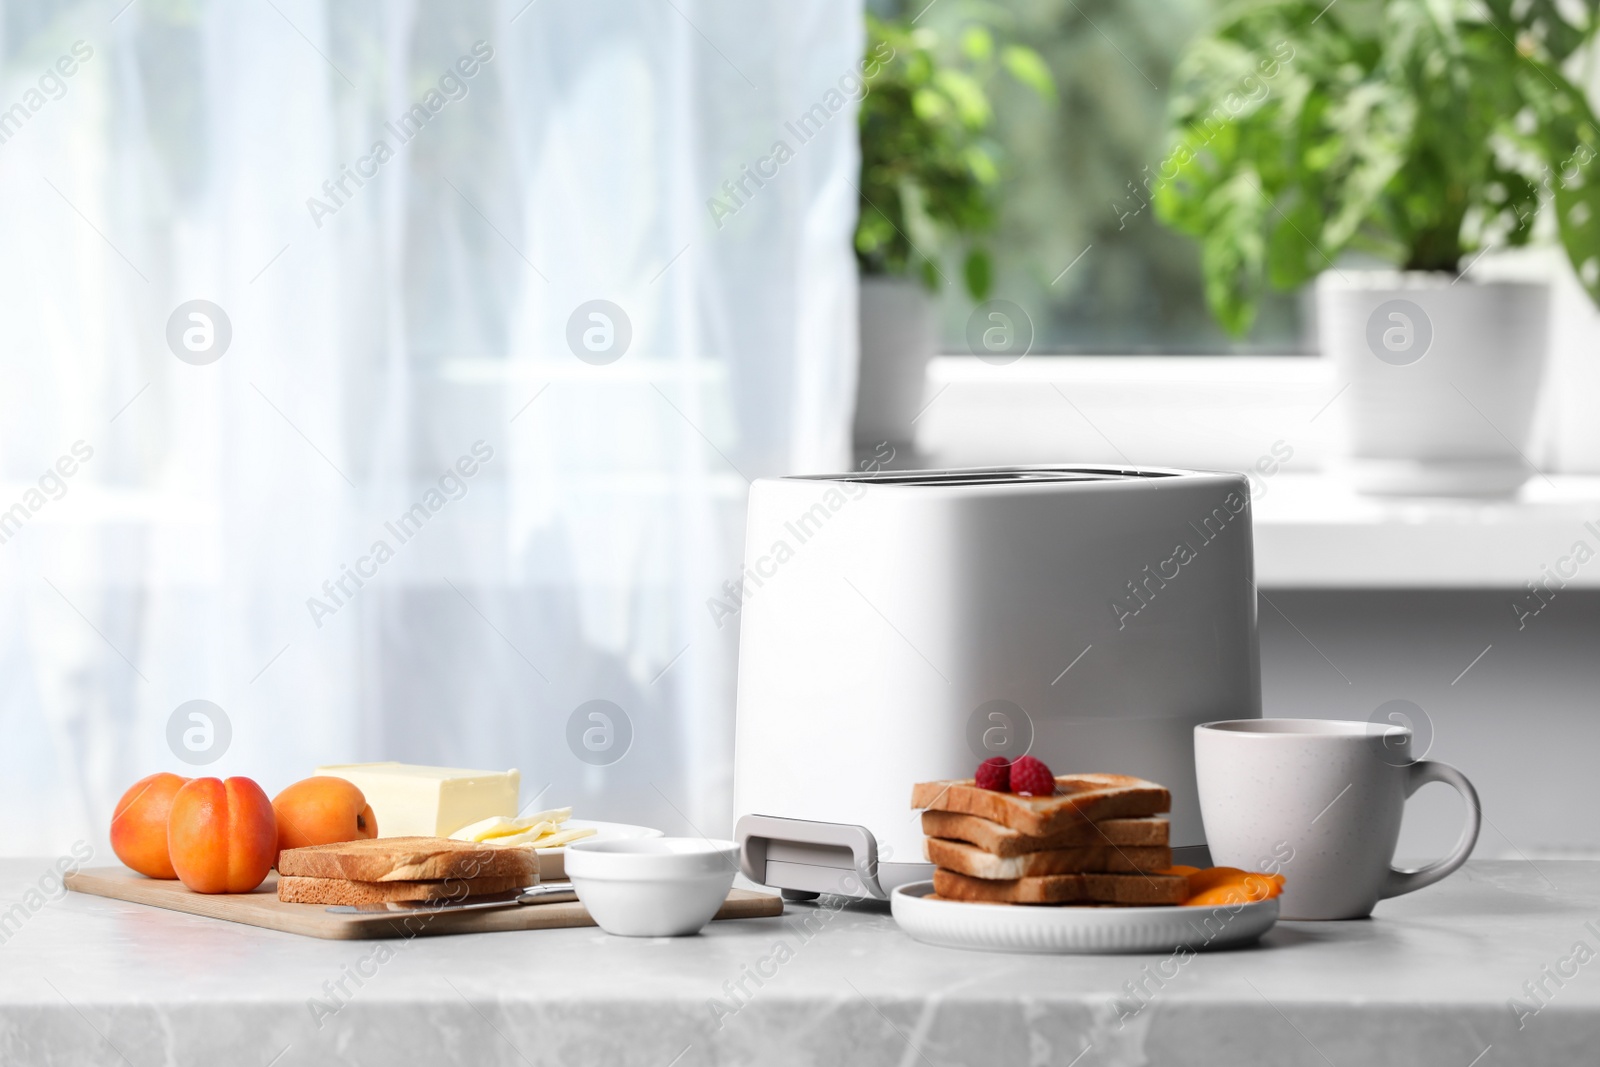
(403, 869)
(1097, 840)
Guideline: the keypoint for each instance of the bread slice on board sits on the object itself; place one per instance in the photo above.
(1079, 798)
(294, 889)
(1123, 889)
(1004, 841)
(963, 858)
(410, 859)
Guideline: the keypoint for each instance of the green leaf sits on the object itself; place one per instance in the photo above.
(1557, 36)
(1577, 205)
(1029, 68)
(978, 272)
(930, 105)
(972, 104)
(1235, 267)
(982, 164)
(1293, 255)
(977, 44)
(1185, 184)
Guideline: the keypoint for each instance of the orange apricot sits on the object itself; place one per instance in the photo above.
(322, 810)
(223, 836)
(139, 824)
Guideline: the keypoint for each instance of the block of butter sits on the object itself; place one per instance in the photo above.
(413, 801)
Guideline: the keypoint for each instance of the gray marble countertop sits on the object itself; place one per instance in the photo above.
(1434, 978)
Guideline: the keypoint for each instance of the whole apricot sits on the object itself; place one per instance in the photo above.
(139, 824)
(223, 836)
(322, 810)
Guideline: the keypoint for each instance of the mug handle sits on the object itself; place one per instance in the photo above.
(1420, 774)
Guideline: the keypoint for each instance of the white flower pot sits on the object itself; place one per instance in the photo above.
(1440, 379)
(898, 335)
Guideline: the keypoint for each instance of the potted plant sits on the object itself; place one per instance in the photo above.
(1420, 134)
(928, 173)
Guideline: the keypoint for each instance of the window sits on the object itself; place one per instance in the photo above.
(1076, 247)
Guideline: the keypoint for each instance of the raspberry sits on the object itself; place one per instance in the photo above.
(1031, 777)
(995, 773)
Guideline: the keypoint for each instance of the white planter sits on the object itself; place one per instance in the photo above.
(898, 337)
(1442, 379)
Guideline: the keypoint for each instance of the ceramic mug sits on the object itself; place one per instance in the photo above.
(1319, 801)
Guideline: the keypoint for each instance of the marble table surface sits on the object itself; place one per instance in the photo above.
(1493, 966)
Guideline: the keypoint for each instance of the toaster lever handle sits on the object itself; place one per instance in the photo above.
(809, 848)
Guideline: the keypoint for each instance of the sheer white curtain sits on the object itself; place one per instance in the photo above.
(399, 372)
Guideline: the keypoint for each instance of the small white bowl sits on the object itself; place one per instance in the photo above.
(652, 887)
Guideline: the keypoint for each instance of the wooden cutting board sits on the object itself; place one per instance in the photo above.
(263, 908)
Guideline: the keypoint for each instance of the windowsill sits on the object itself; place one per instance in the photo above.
(1312, 532)
(1216, 412)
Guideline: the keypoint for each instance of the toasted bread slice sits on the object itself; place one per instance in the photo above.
(410, 859)
(1122, 889)
(1004, 841)
(294, 889)
(1079, 798)
(963, 858)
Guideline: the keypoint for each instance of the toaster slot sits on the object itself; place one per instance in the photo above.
(807, 867)
(990, 475)
(812, 855)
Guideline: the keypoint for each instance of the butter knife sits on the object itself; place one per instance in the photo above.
(544, 893)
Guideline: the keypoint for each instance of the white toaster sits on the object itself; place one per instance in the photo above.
(901, 626)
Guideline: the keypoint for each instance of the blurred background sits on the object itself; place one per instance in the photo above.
(383, 328)
(278, 275)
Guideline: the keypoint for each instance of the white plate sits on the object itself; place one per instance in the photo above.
(553, 861)
(1067, 929)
